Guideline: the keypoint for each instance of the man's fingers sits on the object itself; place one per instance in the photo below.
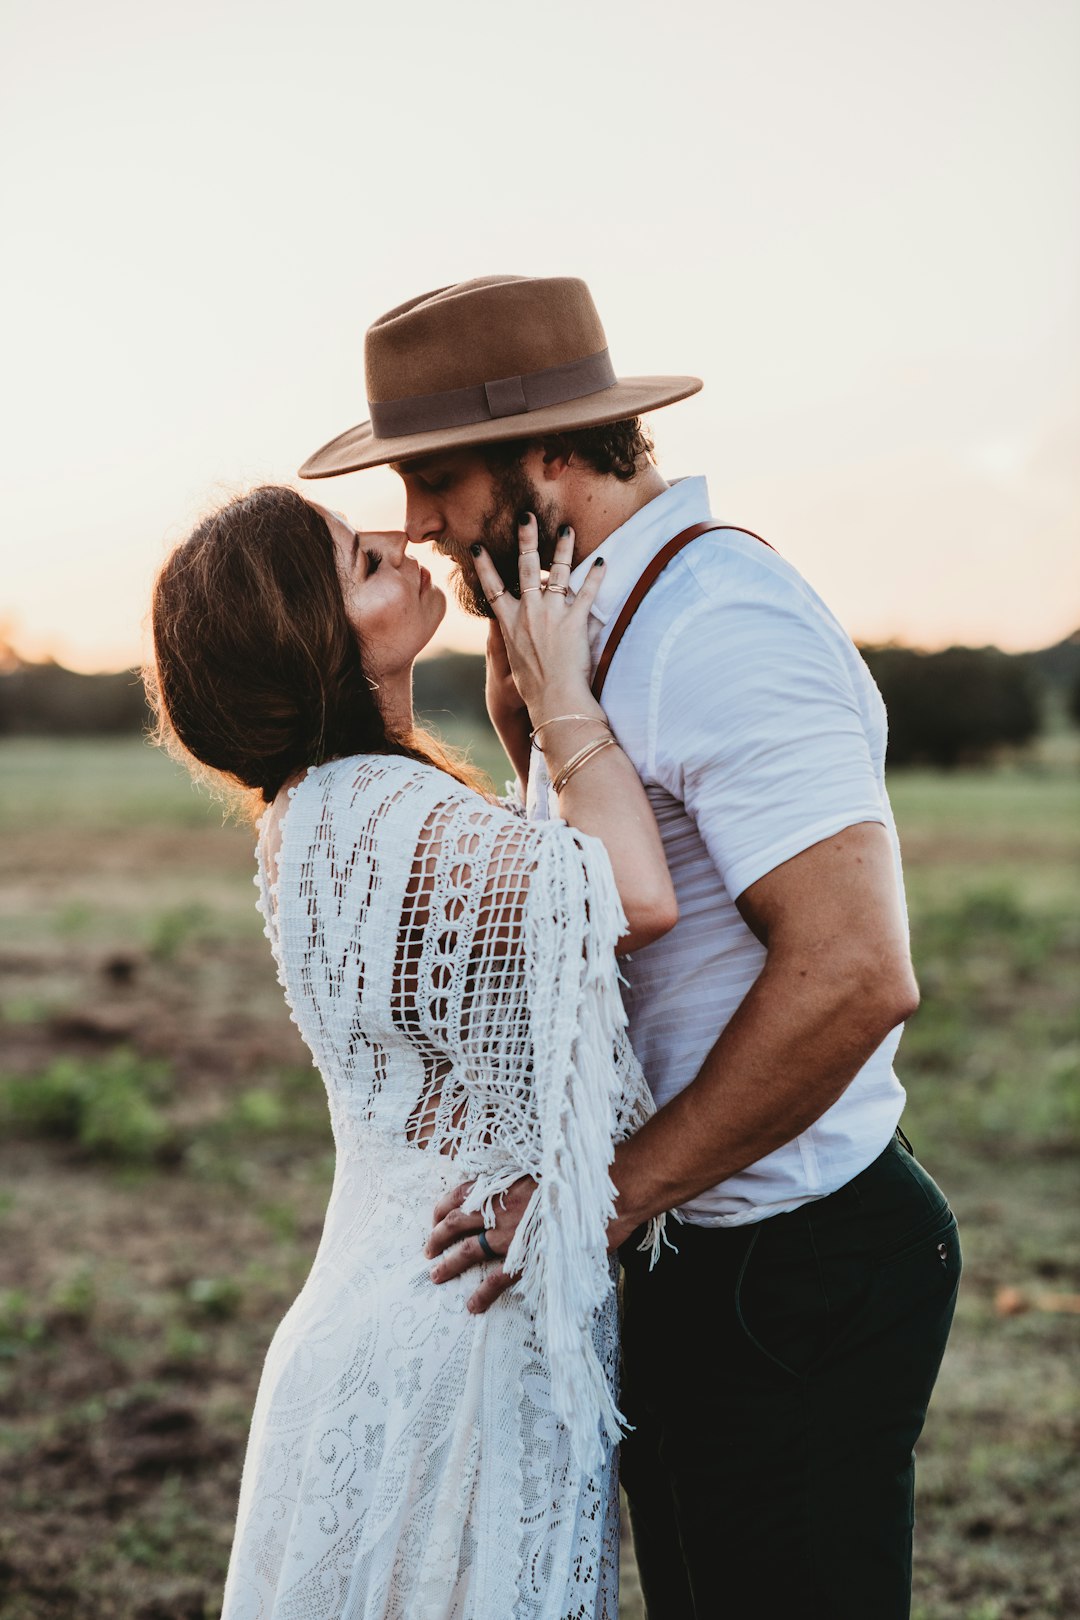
(450, 1221)
(460, 1257)
(450, 1231)
(494, 1284)
(453, 1199)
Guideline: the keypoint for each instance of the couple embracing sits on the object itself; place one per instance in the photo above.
(641, 1013)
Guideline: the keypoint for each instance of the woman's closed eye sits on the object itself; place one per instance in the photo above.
(373, 561)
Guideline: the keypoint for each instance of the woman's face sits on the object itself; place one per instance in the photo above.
(390, 600)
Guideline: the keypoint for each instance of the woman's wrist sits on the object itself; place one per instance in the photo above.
(560, 694)
(546, 733)
(576, 747)
(573, 702)
(577, 761)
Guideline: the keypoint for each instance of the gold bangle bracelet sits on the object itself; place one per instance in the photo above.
(555, 718)
(582, 757)
(601, 741)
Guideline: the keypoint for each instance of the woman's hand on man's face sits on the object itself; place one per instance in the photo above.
(544, 630)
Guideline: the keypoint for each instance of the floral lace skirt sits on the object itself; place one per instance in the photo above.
(403, 1462)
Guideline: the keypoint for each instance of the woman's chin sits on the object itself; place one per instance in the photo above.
(434, 605)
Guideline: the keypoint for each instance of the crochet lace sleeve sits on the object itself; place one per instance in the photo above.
(519, 926)
(512, 798)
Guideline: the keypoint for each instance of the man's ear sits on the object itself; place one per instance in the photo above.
(556, 457)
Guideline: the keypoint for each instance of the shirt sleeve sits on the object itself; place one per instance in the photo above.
(757, 728)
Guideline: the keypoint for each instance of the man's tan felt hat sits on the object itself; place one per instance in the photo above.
(501, 357)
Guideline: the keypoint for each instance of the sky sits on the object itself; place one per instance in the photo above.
(857, 222)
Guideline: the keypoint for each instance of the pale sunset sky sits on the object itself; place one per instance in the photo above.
(857, 222)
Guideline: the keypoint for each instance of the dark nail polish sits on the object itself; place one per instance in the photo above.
(477, 549)
(564, 530)
(523, 517)
(599, 563)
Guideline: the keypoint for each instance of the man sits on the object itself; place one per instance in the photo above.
(778, 1366)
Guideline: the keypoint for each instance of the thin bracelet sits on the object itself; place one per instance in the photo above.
(556, 717)
(582, 757)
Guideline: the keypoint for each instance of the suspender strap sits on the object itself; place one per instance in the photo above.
(645, 584)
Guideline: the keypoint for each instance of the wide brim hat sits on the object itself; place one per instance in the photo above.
(501, 357)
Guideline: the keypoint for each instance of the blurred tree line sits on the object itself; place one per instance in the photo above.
(960, 706)
(48, 700)
(955, 707)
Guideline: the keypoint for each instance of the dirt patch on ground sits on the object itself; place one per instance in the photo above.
(148, 1249)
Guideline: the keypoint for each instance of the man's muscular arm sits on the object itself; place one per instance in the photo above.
(837, 978)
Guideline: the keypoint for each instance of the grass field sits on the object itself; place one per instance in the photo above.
(166, 1158)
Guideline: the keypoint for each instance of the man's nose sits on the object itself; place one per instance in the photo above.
(423, 523)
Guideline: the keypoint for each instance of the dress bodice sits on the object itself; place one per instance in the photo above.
(451, 968)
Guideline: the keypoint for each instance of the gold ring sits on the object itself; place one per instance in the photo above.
(495, 598)
(525, 589)
(558, 590)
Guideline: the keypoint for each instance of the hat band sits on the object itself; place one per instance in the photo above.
(509, 396)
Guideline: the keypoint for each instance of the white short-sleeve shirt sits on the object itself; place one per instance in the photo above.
(758, 731)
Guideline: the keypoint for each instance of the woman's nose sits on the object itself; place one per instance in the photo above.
(390, 544)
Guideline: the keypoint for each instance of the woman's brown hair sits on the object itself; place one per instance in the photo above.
(257, 672)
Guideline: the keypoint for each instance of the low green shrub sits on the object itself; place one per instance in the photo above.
(172, 929)
(107, 1105)
(215, 1297)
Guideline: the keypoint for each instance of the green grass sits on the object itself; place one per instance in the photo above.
(168, 1157)
(109, 1106)
(97, 783)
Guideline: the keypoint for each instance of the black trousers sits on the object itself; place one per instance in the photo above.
(778, 1377)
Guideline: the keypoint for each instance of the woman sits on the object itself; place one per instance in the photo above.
(452, 969)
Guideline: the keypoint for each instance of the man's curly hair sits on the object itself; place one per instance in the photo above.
(616, 448)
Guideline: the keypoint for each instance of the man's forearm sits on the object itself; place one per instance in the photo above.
(788, 1053)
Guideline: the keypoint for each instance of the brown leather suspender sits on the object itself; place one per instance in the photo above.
(645, 584)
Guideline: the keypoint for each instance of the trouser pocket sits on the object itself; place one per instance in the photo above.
(804, 1288)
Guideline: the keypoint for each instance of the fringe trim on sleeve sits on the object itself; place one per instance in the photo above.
(573, 919)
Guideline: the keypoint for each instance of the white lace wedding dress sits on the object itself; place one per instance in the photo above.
(451, 968)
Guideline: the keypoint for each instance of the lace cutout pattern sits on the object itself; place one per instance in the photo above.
(451, 968)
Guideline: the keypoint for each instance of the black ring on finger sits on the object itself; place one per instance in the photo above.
(485, 1246)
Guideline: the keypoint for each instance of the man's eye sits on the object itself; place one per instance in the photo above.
(436, 485)
(373, 561)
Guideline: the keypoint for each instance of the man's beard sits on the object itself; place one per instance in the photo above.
(513, 492)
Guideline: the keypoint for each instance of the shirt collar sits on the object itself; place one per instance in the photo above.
(629, 549)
